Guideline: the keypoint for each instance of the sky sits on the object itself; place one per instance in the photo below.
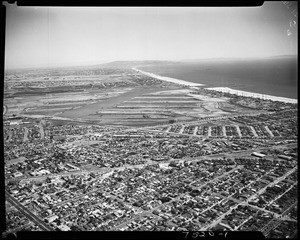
(66, 36)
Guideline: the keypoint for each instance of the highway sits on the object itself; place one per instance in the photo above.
(32, 217)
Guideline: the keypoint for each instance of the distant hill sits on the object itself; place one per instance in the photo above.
(283, 57)
(210, 63)
(130, 64)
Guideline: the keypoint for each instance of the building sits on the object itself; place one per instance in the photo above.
(63, 228)
(285, 157)
(257, 154)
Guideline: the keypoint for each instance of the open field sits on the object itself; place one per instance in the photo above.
(107, 103)
(125, 106)
(176, 102)
(123, 97)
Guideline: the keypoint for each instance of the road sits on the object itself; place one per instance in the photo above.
(234, 154)
(41, 129)
(4, 110)
(246, 202)
(25, 134)
(207, 119)
(277, 221)
(27, 213)
(150, 212)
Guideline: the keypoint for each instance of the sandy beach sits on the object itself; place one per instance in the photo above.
(255, 95)
(168, 79)
(221, 89)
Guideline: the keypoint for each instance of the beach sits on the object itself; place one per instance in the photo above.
(254, 95)
(275, 77)
(220, 89)
(168, 79)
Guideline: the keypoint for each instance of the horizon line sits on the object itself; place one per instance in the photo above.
(69, 65)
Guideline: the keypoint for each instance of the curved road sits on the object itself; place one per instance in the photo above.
(4, 110)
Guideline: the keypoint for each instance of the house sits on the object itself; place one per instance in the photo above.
(52, 218)
(18, 174)
(64, 228)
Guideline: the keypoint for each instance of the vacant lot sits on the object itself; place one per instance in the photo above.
(91, 109)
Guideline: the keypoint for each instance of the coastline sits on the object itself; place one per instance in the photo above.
(254, 95)
(168, 79)
(221, 89)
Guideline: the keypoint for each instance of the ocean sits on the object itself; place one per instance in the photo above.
(271, 76)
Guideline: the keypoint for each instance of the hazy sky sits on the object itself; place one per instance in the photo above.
(40, 37)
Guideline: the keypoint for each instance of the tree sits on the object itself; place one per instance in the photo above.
(75, 228)
(172, 121)
(48, 180)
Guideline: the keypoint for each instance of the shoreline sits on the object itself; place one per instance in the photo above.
(221, 89)
(253, 95)
(168, 79)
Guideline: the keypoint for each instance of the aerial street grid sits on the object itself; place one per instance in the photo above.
(150, 145)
